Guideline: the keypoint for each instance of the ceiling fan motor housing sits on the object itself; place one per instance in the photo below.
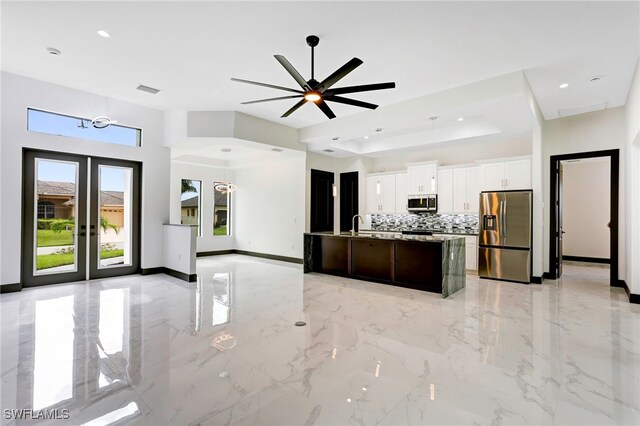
(313, 40)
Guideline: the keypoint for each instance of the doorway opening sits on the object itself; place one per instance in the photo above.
(585, 198)
(348, 201)
(321, 201)
(81, 218)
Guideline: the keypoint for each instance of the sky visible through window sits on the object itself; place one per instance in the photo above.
(111, 179)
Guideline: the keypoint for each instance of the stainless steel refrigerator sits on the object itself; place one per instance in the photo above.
(504, 244)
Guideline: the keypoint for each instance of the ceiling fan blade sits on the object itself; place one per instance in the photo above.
(294, 73)
(348, 101)
(339, 74)
(271, 99)
(295, 107)
(325, 108)
(266, 85)
(361, 88)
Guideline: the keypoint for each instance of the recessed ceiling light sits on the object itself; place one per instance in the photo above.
(460, 118)
(564, 85)
(379, 129)
(366, 137)
(328, 150)
(595, 78)
(53, 51)
(103, 33)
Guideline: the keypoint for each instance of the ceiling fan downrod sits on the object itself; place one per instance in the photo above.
(312, 41)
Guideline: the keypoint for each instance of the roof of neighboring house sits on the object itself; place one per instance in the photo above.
(220, 200)
(46, 187)
(111, 198)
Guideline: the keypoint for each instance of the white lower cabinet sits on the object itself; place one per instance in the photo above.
(471, 248)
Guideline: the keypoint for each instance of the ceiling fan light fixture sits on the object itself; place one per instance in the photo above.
(312, 96)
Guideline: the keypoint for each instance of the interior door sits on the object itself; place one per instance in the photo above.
(54, 218)
(348, 200)
(73, 232)
(321, 201)
(559, 231)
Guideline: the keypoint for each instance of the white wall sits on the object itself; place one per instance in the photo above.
(207, 175)
(586, 210)
(632, 179)
(18, 93)
(269, 212)
(461, 152)
(595, 131)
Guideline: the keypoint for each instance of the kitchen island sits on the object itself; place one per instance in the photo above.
(429, 263)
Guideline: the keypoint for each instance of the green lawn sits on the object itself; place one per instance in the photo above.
(46, 261)
(48, 238)
(220, 230)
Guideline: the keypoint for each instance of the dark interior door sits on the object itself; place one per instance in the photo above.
(559, 231)
(321, 201)
(348, 200)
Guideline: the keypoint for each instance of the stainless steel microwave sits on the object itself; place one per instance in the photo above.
(423, 203)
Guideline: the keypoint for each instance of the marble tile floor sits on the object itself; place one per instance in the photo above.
(156, 350)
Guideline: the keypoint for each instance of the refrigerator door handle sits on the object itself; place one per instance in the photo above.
(504, 222)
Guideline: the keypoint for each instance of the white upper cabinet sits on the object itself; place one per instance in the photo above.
(401, 193)
(446, 191)
(506, 175)
(465, 190)
(381, 193)
(422, 179)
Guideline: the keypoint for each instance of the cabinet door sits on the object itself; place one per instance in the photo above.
(473, 190)
(373, 199)
(460, 190)
(388, 194)
(518, 174)
(446, 193)
(431, 179)
(415, 179)
(401, 193)
(471, 256)
(492, 176)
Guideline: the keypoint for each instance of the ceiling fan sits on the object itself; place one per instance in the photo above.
(319, 92)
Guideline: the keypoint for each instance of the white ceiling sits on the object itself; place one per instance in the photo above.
(190, 50)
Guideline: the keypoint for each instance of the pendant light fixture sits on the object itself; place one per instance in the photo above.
(225, 186)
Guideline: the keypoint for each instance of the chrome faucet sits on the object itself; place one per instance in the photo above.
(353, 221)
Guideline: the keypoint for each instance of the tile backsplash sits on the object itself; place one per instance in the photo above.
(427, 221)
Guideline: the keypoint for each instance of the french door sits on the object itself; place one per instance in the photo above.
(81, 218)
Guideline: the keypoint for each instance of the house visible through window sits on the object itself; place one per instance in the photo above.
(46, 210)
(221, 212)
(190, 203)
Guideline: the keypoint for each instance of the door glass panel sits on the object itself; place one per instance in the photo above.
(55, 216)
(115, 220)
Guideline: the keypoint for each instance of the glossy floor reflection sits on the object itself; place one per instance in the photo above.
(224, 350)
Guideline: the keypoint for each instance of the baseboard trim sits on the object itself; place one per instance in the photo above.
(163, 270)
(152, 271)
(253, 254)
(548, 276)
(587, 259)
(621, 284)
(536, 280)
(634, 298)
(181, 275)
(215, 253)
(10, 288)
(271, 256)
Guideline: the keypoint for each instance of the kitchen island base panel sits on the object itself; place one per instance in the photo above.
(434, 264)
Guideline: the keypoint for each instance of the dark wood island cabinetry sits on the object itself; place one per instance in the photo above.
(429, 263)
